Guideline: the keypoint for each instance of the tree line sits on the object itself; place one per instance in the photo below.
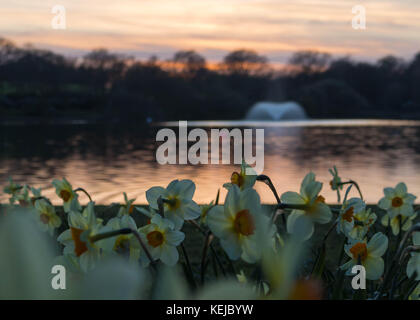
(112, 87)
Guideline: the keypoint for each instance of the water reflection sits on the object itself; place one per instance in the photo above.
(107, 160)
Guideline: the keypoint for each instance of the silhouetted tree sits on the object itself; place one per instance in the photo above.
(413, 72)
(104, 67)
(111, 86)
(245, 62)
(189, 61)
(309, 62)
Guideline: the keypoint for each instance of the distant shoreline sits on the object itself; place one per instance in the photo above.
(24, 121)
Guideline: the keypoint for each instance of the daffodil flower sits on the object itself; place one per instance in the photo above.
(125, 242)
(161, 241)
(46, 216)
(335, 183)
(346, 219)
(237, 223)
(78, 240)
(178, 203)
(398, 222)
(13, 189)
(23, 197)
(127, 208)
(244, 179)
(314, 209)
(363, 220)
(368, 253)
(65, 191)
(413, 264)
(397, 201)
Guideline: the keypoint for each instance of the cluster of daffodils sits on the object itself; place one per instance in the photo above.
(273, 255)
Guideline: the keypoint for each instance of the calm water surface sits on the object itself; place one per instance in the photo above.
(107, 160)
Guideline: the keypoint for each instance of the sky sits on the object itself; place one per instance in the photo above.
(275, 28)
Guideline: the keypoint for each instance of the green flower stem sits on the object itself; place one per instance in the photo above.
(329, 232)
(207, 242)
(267, 181)
(396, 259)
(160, 202)
(213, 251)
(320, 260)
(407, 251)
(149, 256)
(84, 191)
(109, 234)
(353, 183)
(39, 198)
(189, 268)
(216, 202)
(411, 289)
(292, 206)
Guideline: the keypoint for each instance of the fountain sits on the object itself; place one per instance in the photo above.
(274, 111)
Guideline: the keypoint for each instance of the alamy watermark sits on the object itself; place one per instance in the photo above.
(359, 280)
(59, 280)
(359, 20)
(198, 153)
(59, 20)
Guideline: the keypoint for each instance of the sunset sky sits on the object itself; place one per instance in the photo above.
(275, 28)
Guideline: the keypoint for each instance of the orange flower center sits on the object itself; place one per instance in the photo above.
(79, 246)
(397, 202)
(320, 199)
(130, 210)
(237, 179)
(359, 249)
(155, 238)
(244, 223)
(65, 195)
(44, 218)
(348, 215)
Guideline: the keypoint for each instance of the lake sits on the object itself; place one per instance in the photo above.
(109, 159)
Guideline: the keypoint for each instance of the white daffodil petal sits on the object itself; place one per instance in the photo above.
(232, 247)
(174, 237)
(416, 238)
(292, 198)
(169, 255)
(300, 225)
(312, 189)
(377, 245)
(186, 188)
(401, 189)
(321, 214)
(374, 268)
(413, 265)
(153, 194)
(251, 252)
(407, 209)
(384, 203)
(218, 222)
(191, 210)
(348, 265)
